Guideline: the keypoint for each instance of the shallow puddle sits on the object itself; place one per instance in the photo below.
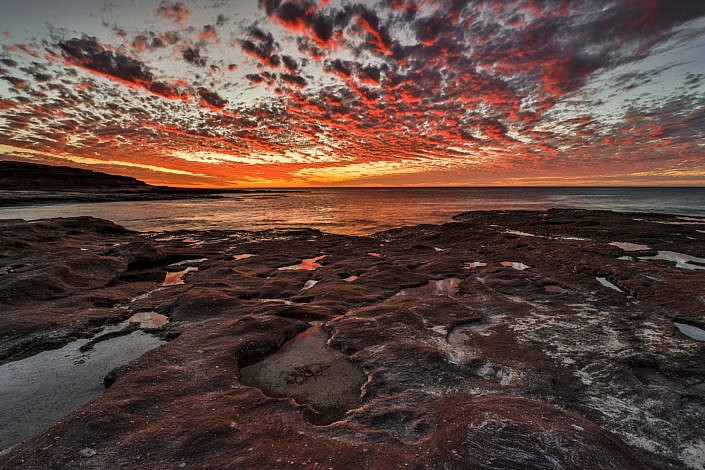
(460, 335)
(242, 256)
(608, 284)
(175, 279)
(281, 301)
(37, 391)
(308, 264)
(374, 255)
(474, 264)
(310, 283)
(351, 278)
(148, 320)
(520, 233)
(306, 369)
(682, 260)
(691, 331)
(516, 265)
(189, 261)
(434, 287)
(627, 246)
(166, 239)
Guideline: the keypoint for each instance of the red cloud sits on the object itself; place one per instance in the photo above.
(208, 34)
(175, 12)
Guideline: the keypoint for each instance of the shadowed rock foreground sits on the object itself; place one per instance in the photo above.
(559, 339)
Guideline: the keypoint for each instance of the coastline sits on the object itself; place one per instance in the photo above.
(28, 198)
(62, 184)
(474, 339)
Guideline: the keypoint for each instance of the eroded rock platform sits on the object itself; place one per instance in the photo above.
(558, 339)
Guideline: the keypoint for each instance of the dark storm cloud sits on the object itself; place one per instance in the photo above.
(694, 79)
(41, 77)
(212, 99)
(409, 8)
(221, 20)
(323, 27)
(290, 63)
(546, 58)
(17, 83)
(378, 38)
(265, 77)
(261, 45)
(149, 40)
(650, 18)
(192, 55)
(301, 15)
(372, 73)
(37, 71)
(254, 77)
(88, 54)
(309, 48)
(293, 79)
(428, 29)
(341, 67)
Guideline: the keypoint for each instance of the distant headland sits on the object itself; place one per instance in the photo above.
(33, 183)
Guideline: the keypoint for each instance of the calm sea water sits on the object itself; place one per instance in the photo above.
(363, 211)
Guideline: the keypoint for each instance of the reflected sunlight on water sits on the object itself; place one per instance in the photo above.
(363, 211)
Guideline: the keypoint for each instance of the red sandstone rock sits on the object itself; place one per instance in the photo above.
(489, 370)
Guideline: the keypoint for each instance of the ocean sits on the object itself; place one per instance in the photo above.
(362, 211)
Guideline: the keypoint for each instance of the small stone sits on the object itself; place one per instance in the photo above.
(87, 452)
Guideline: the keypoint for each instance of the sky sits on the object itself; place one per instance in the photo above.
(281, 93)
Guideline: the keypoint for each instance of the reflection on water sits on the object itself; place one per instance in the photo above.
(308, 264)
(362, 211)
(175, 279)
(682, 260)
(606, 283)
(690, 331)
(516, 265)
(474, 264)
(37, 391)
(148, 320)
(627, 246)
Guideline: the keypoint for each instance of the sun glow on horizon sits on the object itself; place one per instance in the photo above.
(272, 94)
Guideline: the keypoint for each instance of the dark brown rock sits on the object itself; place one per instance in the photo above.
(477, 345)
(61, 184)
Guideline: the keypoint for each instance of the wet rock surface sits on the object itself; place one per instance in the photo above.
(484, 343)
(306, 369)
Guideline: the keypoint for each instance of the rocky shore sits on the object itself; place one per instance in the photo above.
(31, 183)
(517, 339)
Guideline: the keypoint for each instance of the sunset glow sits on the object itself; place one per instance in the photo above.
(398, 92)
